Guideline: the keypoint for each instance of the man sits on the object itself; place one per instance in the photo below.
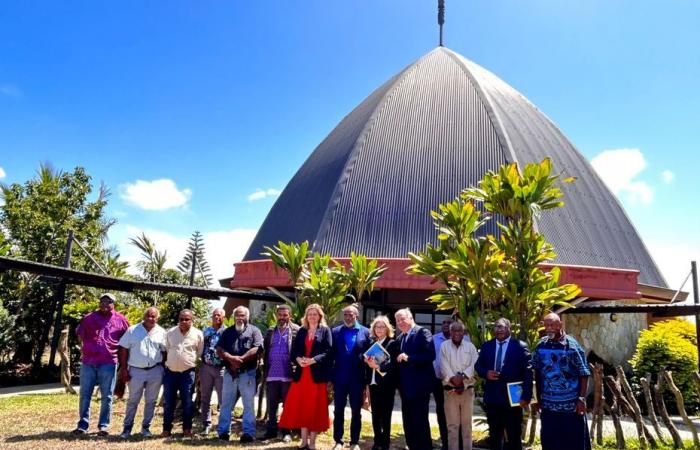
(238, 347)
(183, 343)
(504, 360)
(416, 374)
(277, 367)
(99, 332)
(350, 342)
(211, 372)
(141, 366)
(438, 390)
(457, 359)
(561, 374)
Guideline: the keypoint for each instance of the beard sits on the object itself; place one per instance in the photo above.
(240, 326)
(551, 335)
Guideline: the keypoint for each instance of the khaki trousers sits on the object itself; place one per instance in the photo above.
(458, 412)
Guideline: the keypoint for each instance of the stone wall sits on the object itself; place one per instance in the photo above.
(615, 342)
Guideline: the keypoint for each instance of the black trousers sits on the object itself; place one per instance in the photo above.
(564, 431)
(508, 419)
(439, 395)
(416, 426)
(276, 393)
(382, 401)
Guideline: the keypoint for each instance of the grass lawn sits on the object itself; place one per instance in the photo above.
(45, 421)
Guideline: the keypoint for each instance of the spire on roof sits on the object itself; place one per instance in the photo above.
(441, 17)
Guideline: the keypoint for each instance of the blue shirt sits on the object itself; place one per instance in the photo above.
(559, 365)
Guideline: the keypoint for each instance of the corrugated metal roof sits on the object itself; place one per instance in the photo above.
(426, 134)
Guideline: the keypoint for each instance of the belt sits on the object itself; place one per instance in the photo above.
(147, 368)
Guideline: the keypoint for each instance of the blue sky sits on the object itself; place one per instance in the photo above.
(198, 106)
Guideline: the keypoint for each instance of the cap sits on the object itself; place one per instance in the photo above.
(109, 296)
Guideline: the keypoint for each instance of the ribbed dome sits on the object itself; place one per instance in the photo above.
(417, 141)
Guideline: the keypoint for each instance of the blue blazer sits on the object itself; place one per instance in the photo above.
(516, 367)
(416, 376)
(320, 351)
(349, 367)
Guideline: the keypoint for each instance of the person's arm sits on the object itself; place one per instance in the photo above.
(123, 364)
(480, 366)
(257, 346)
(527, 375)
(424, 348)
(445, 367)
(326, 346)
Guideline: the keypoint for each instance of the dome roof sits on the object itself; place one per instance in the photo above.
(427, 133)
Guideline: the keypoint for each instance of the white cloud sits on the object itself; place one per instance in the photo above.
(155, 195)
(619, 168)
(2, 173)
(10, 90)
(222, 248)
(260, 194)
(667, 176)
(674, 262)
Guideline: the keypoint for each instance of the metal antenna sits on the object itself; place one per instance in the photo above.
(441, 17)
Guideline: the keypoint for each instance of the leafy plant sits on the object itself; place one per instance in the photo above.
(195, 253)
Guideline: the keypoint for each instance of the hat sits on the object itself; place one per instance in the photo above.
(109, 296)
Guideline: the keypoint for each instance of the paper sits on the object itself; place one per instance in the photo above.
(377, 352)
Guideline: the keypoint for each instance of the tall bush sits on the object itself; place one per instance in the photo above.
(669, 345)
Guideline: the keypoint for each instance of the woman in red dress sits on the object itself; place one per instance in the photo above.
(306, 405)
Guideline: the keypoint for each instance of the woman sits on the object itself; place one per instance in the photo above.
(381, 379)
(306, 405)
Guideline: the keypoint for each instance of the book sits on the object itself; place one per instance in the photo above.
(377, 352)
(515, 392)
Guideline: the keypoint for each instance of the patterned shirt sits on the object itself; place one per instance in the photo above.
(211, 337)
(279, 356)
(559, 364)
(100, 335)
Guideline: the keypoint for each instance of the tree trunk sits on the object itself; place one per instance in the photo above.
(65, 362)
(681, 406)
(637, 412)
(658, 395)
(623, 407)
(598, 400)
(646, 388)
(615, 416)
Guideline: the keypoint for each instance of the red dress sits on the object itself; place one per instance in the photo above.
(306, 405)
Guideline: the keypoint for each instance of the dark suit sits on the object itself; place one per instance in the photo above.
(320, 351)
(500, 415)
(415, 385)
(382, 394)
(349, 379)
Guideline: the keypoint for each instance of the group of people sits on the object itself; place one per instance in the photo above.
(304, 365)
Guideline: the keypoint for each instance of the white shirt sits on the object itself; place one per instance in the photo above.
(438, 340)
(455, 359)
(503, 352)
(145, 347)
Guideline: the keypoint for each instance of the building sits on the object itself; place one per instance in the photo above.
(418, 140)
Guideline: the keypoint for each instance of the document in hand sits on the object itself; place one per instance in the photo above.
(377, 352)
(515, 392)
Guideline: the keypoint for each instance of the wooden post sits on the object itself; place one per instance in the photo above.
(614, 412)
(646, 388)
(65, 361)
(681, 406)
(658, 395)
(533, 424)
(636, 410)
(623, 407)
(598, 400)
(60, 300)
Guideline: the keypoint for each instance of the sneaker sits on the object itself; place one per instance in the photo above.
(126, 434)
(187, 434)
(224, 437)
(287, 438)
(206, 430)
(103, 433)
(338, 446)
(146, 433)
(79, 432)
(245, 438)
(165, 434)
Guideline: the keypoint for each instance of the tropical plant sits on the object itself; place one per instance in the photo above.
(195, 252)
(289, 257)
(362, 275)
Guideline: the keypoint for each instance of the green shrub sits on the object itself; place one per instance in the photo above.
(671, 345)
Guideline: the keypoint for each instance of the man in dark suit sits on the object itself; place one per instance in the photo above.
(415, 364)
(504, 360)
(350, 341)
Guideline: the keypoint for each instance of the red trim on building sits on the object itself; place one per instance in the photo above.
(595, 282)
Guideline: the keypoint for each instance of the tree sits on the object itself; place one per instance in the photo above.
(35, 219)
(491, 276)
(195, 252)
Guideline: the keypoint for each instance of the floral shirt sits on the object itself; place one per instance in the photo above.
(211, 338)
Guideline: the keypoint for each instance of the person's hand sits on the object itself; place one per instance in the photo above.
(457, 381)
(235, 361)
(300, 361)
(524, 403)
(402, 357)
(580, 407)
(538, 407)
(124, 374)
(492, 375)
(372, 363)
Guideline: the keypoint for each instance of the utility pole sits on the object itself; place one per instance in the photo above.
(192, 271)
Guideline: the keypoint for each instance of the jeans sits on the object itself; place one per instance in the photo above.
(174, 383)
(145, 383)
(243, 385)
(210, 378)
(104, 376)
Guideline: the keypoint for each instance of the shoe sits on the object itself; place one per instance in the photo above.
(206, 430)
(354, 447)
(146, 433)
(103, 433)
(224, 437)
(165, 434)
(79, 432)
(187, 434)
(338, 446)
(269, 434)
(126, 434)
(245, 438)
(287, 438)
